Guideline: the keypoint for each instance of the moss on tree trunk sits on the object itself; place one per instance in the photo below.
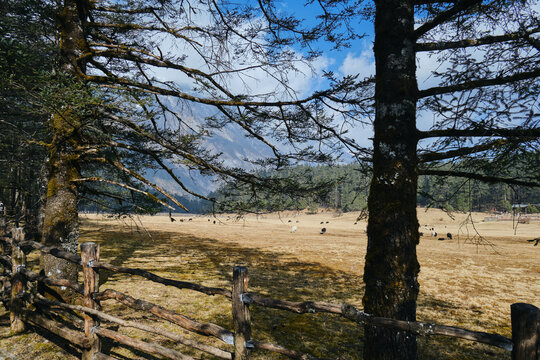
(391, 267)
(60, 224)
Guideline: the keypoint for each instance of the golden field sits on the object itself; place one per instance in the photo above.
(468, 282)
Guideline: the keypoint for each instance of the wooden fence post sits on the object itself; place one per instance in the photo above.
(18, 282)
(525, 331)
(240, 312)
(90, 254)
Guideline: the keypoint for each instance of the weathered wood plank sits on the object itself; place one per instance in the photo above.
(425, 329)
(294, 306)
(207, 329)
(156, 278)
(151, 348)
(352, 313)
(153, 329)
(70, 335)
(27, 245)
(281, 350)
(32, 276)
(101, 356)
(18, 283)
(240, 312)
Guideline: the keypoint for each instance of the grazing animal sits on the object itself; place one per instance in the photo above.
(173, 219)
(208, 220)
(190, 219)
(449, 236)
(289, 221)
(323, 230)
(433, 233)
(293, 229)
(322, 222)
(181, 220)
(327, 222)
(441, 239)
(214, 222)
(355, 223)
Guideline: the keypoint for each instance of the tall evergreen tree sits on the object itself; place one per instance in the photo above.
(484, 104)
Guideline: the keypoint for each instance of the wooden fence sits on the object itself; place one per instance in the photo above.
(20, 294)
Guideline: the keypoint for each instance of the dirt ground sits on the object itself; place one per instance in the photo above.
(469, 281)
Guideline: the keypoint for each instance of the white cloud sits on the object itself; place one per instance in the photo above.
(363, 64)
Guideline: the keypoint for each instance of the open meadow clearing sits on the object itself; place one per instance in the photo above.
(461, 284)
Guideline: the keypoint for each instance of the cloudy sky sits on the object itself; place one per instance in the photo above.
(304, 79)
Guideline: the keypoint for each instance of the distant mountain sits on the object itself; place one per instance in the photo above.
(230, 141)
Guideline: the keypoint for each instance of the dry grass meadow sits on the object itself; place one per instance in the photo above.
(463, 283)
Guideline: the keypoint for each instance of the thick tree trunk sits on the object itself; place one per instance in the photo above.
(60, 225)
(391, 267)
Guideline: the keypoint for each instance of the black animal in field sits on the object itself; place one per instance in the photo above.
(323, 231)
(449, 236)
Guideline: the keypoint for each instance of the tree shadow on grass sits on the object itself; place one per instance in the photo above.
(280, 276)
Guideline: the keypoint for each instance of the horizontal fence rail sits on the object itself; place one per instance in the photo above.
(15, 277)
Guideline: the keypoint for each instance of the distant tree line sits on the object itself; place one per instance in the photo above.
(350, 190)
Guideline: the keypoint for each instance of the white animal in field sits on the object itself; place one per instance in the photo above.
(294, 228)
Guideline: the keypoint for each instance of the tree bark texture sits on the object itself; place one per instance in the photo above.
(60, 225)
(391, 267)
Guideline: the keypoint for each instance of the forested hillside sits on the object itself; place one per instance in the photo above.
(349, 191)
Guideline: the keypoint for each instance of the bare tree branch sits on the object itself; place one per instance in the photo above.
(481, 132)
(146, 193)
(484, 178)
(445, 16)
(436, 156)
(444, 45)
(475, 84)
